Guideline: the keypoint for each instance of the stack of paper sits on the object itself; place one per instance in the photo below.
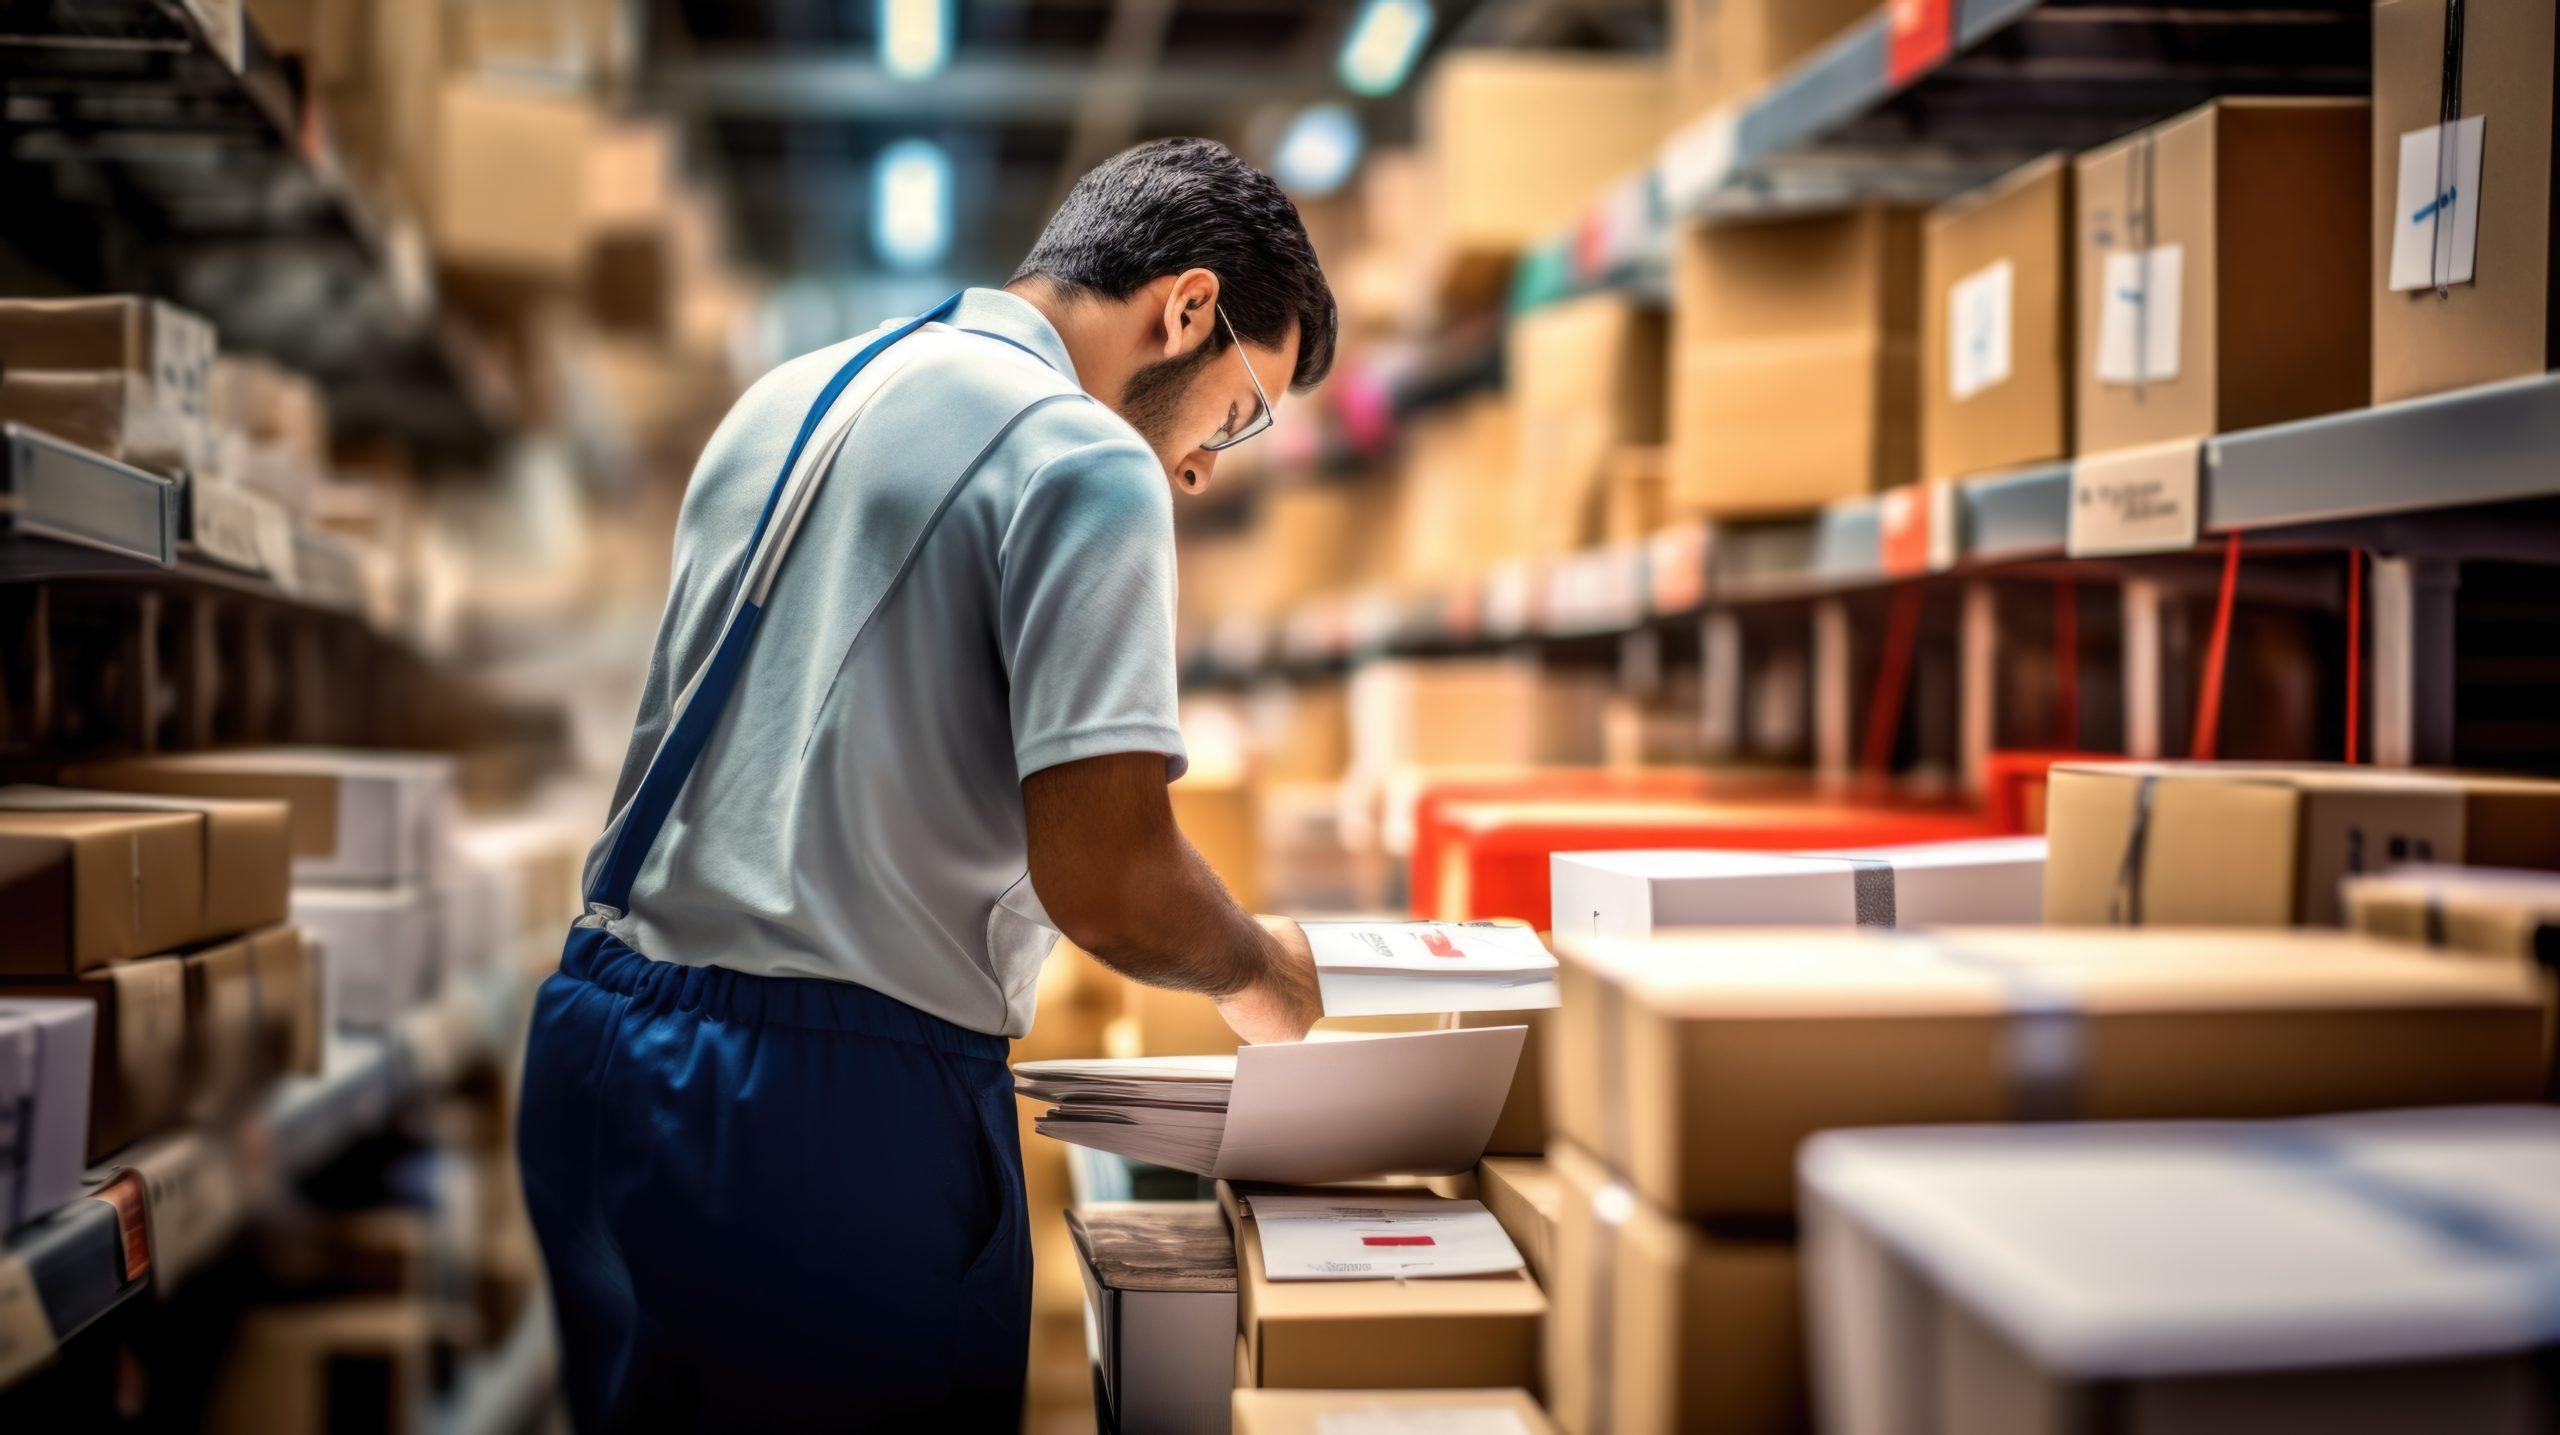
(1422, 1103)
(1389, 968)
(1359, 1236)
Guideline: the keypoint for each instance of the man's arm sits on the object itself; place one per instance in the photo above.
(1121, 881)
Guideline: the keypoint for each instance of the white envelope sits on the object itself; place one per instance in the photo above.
(1420, 1103)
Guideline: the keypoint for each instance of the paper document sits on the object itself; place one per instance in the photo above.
(1418, 1103)
(1388, 968)
(2435, 227)
(1326, 1238)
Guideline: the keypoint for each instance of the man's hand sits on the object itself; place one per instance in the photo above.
(1282, 1005)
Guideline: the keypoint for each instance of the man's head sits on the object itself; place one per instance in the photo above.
(1157, 254)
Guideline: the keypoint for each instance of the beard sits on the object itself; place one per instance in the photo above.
(1152, 403)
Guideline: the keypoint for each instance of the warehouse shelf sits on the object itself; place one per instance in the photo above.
(60, 503)
(106, 1248)
(160, 147)
(2455, 473)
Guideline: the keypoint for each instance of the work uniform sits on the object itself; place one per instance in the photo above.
(768, 1131)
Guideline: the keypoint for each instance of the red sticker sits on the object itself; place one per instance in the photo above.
(1918, 34)
(1396, 1241)
(1437, 943)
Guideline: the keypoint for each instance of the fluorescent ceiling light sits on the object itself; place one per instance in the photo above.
(1386, 38)
(1319, 150)
(915, 37)
(911, 204)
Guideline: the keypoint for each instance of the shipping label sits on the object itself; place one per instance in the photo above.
(1978, 326)
(2138, 318)
(2435, 227)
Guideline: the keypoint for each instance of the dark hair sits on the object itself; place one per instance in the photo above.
(1176, 204)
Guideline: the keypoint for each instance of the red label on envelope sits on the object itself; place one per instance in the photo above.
(1918, 34)
(1396, 1241)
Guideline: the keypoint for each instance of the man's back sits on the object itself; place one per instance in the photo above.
(988, 569)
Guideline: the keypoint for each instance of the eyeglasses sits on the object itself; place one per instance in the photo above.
(1262, 418)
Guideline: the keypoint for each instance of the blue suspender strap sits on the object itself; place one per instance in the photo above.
(700, 705)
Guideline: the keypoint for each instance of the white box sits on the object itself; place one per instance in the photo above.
(377, 949)
(1993, 881)
(1160, 1312)
(2382, 1274)
(45, 1049)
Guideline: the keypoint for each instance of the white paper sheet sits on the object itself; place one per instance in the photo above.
(1433, 947)
(2138, 319)
(1404, 994)
(1978, 309)
(2435, 229)
(1346, 1238)
(1421, 1103)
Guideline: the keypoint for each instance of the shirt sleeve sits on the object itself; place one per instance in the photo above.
(1085, 611)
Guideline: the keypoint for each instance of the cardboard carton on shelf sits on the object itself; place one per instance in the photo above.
(1721, 50)
(364, 817)
(1301, 731)
(1456, 512)
(224, 1034)
(294, 1013)
(1996, 348)
(378, 950)
(114, 415)
(1521, 144)
(138, 1054)
(2335, 1274)
(1496, 859)
(164, 352)
(1587, 376)
(509, 196)
(2221, 272)
(306, 1368)
(1460, 1332)
(80, 890)
(1160, 1286)
(45, 1055)
(1328, 1412)
(1794, 362)
(1424, 713)
(1526, 1195)
(1986, 881)
(1661, 1327)
(2491, 319)
(1696, 1064)
(245, 842)
(2234, 844)
(2491, 912)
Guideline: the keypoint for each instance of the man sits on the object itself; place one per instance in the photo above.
(768, 1132)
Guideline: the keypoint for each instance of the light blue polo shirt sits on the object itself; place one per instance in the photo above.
(858, 811)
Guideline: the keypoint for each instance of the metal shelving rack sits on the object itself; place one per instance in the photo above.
(150, 146)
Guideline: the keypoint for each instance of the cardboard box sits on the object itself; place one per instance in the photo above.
(167, 351)
(1996, 345)
(1461, 1332)
(224, 1037)
(1721, 50)
(303, 1369)
(1522, 144)
(1586, 376)
(2474, 911)
(1302, 731)
(1526, 1196)
(294, 1017)
(45, 1054)
(2496, 324)
(1160, 1281)
(510, 192)
(1441, 712)
(1988, 881)
(1457, 513)
(114, 415)
(372, 817)
(1794, 362)
(1696, 1064)
(1327, 1412)
(137, 1066)
(377, 950)
(1662, 1327)
(79, 890)
(2230, 844)
(246, 845)
(2250, 215)
(2329, 1275)
(1496, 859)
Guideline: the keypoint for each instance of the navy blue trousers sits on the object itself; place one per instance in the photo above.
(772, 1203)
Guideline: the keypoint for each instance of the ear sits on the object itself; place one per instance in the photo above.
(1190, 311)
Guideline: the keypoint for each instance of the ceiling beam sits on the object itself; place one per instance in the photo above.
(850, 85)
